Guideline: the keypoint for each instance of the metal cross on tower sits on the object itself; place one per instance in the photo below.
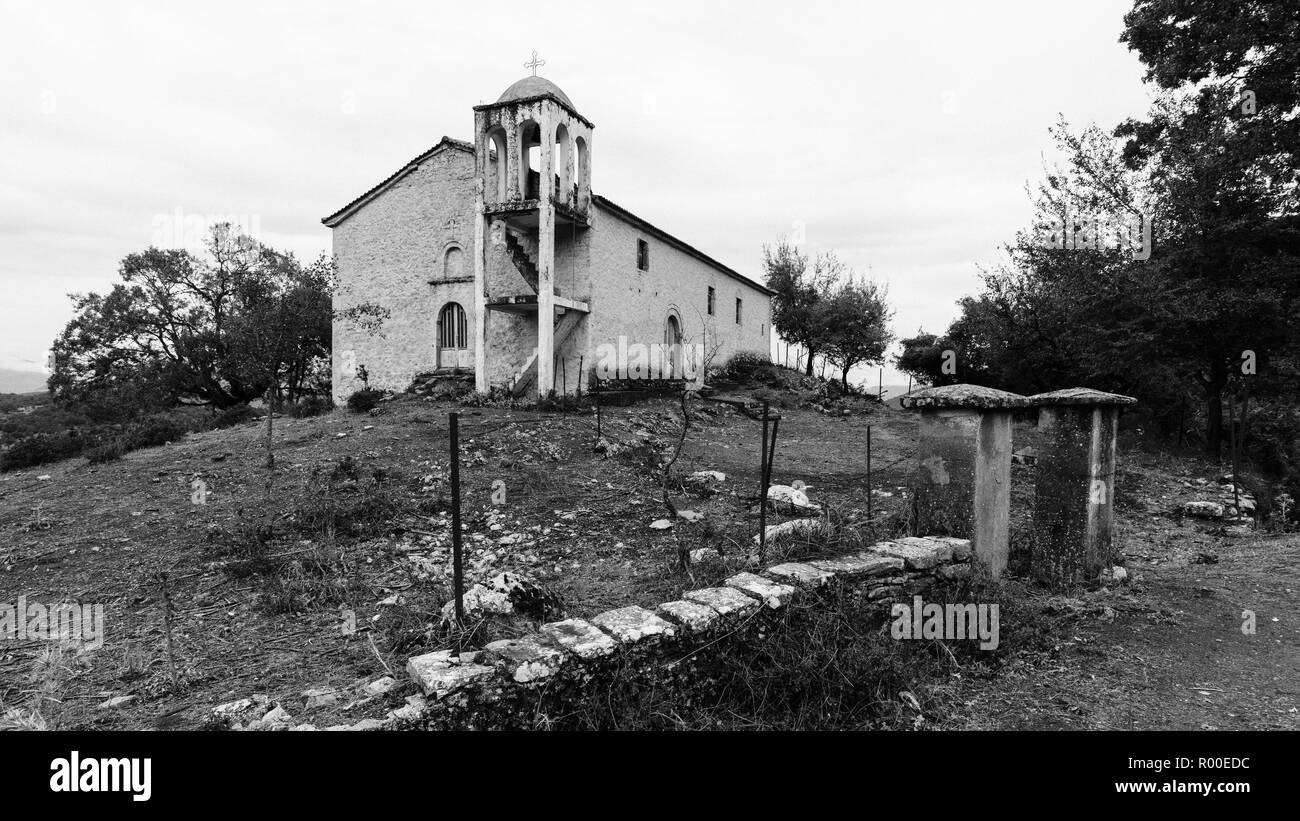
(534, 63)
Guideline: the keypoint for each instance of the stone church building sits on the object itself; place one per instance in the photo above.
(530, 287)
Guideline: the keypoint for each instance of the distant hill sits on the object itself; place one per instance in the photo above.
(12, 381)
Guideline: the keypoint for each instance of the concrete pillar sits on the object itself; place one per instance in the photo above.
(480, 293)
(1074, 489)
(546, 262)
(963, 486)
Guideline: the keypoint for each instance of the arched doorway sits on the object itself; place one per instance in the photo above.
(672, 357)
(453, 337)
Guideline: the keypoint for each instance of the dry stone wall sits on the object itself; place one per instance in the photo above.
(509, 683)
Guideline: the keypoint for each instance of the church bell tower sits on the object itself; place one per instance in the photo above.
(532, 160)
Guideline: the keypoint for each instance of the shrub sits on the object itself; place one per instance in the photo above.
(155, 430)
(45, 419)
(742, 366)
(40, 448)
(350, 500)
(107, 451)
(365, 400)
(310, 406)
(234, 415)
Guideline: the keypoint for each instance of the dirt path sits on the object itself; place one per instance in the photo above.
(1173, 658)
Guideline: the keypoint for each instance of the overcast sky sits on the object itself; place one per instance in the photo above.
(899, 134)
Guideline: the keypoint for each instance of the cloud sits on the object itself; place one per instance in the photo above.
(902, 136)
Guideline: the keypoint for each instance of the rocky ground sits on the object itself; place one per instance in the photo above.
(586, 530)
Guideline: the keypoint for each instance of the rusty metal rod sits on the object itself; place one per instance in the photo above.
(457, 564)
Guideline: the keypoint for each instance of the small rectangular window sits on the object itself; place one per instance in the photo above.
(739, 303)
(642, 255)
(712, 294)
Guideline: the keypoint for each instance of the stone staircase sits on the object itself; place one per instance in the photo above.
(522, 259)
(526, 378)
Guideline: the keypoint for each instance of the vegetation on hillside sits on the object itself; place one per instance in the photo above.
(1200, 321)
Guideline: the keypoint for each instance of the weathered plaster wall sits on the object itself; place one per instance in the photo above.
(964, 481)
(1074, 495)
(390, 248)
(627, 301)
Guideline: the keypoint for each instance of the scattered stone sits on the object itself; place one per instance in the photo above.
(661, 524)
(690, 515)
(379, 686)
(321, 697)
(704, 554)
(479, 601)
(705, 479)
(608, 448)
(633, 624)
(233, 709)
(277, 718)
(117, 701)
(793, 529)
(795, 497)
(439, 674)
(1204, 510)
(367, 724)
(527, 596)
(579, 637)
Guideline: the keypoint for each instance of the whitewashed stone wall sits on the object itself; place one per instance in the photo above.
(627, 301)
(391, 250)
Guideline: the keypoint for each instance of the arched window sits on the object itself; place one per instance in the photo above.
(530, 159)
(581, 171)
(453, 263)
(452, 329)
(563, 162)
(494, 172)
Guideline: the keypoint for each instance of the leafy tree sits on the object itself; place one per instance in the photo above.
(852, 325)
(798, 293)
(921, 358)
(220, 330)
(1223, 149)
(1246, 48)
